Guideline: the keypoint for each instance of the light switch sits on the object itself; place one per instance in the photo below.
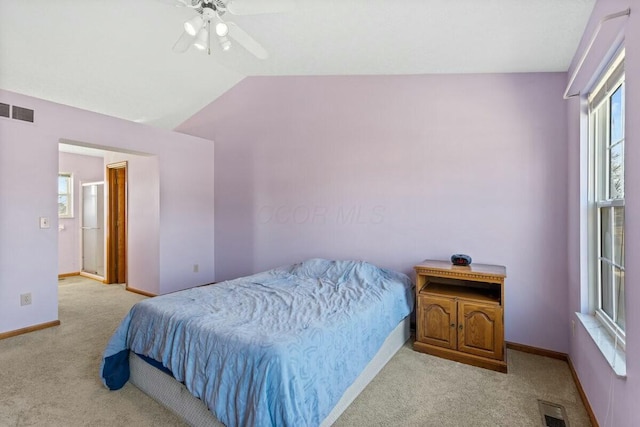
(44, 222)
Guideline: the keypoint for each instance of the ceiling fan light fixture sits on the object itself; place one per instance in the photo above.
(194, 25)
(198, 31)
(225, 43)
(202, 39)
(222, 29)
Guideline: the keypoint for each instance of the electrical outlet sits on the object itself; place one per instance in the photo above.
(44, 222)
(25, 299)
(195, 268)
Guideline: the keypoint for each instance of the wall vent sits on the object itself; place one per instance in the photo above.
(553, 415)
(23, 114)
(4, 110)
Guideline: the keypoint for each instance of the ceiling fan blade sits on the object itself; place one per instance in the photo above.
(246, 41)
(258, 7)
(183, 43)
(194, 4)
(176, 3)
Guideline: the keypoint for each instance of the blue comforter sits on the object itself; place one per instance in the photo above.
(278, 348)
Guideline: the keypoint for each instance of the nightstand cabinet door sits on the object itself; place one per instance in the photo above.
(480, 329)
(437, 321)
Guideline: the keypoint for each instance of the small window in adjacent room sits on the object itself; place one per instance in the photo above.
(606, 201)
(65, 195)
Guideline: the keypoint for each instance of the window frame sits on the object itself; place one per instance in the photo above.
(599, 173)
(69, 194)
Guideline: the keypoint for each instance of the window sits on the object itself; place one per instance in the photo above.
(606, 173)
(65, 195)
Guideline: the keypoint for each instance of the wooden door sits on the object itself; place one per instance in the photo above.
(437, 321)
(117, 224)
(480, 329)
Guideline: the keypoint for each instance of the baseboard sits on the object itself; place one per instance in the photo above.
(562, 356)
(29, 329)
(75, 273)
(537, 350)
(141, 292)
(583, 395)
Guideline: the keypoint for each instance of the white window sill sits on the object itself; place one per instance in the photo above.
(605, 342)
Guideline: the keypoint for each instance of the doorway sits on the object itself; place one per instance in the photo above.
(116, 271)
(92, 229)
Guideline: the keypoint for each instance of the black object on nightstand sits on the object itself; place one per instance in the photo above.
(460, 259)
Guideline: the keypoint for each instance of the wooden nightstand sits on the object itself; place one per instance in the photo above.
(460, 313)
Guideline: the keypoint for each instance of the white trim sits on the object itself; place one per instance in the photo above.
(613, 329)
(612, 69)
(576, 70)
(614, 203)
(599, 199)
(91, 183)
(608, 345)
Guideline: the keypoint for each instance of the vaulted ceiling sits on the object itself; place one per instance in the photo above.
(115, 57)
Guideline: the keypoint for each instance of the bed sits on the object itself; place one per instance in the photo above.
(290, 346)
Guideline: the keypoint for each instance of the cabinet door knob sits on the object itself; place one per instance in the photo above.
(460, 327)
(453, 325)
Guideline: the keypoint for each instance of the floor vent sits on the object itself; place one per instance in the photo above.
(553, 415)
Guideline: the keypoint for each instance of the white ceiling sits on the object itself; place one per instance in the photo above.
(115, 56)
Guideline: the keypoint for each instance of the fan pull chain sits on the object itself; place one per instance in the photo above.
(209, 34)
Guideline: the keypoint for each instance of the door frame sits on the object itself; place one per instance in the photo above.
(114, 217)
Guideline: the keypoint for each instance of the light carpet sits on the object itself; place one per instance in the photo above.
(50, 378)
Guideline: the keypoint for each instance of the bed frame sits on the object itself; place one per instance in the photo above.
(175, 396)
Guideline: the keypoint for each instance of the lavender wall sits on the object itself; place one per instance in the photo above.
(614, 400)
(396, 169)
(143, 218)
(84, 169)
(28, 171)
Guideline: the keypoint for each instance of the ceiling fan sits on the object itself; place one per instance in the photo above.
(209, 15)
